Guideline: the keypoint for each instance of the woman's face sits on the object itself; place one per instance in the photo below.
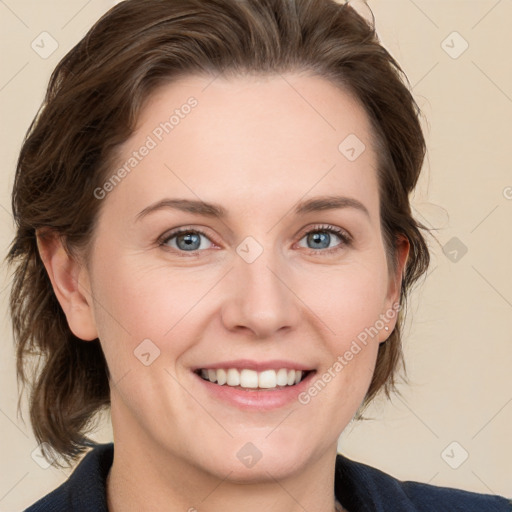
(280, 265)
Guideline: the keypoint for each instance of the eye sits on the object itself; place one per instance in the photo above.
(187, 240)
(325, 239)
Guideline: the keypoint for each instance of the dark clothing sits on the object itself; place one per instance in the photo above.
(358, 487)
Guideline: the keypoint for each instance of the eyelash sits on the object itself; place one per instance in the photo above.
(346, 239)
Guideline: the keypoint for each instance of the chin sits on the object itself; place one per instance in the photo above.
(255, 459)
(275, 465)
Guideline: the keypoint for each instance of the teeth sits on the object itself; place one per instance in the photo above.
(252, 379)
(221, 377)
(267, 379)
(233, 377)
(282, 377)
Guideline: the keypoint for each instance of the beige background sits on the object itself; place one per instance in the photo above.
(459, 339)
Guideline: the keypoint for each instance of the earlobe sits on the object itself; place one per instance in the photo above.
(70, 282)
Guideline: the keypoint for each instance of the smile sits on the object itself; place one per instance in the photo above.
(251, 379)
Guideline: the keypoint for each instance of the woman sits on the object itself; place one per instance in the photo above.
(215, 241)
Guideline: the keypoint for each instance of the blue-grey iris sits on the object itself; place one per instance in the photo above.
(188, 241)
(320, 240)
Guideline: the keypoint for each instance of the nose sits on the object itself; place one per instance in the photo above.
(260, 298)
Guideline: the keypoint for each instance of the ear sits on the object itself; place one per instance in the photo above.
(71, 284)
(392, 302)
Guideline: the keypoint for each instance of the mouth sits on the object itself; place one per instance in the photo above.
(251, 380)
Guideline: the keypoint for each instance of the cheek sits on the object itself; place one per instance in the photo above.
(136, 303)
(347, 300)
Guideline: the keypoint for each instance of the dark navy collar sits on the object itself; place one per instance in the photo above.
(362, 488)
(358, 487)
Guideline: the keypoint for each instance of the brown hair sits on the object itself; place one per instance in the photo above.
(92, 105)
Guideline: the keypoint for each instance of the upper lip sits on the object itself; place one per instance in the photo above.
(274, 364)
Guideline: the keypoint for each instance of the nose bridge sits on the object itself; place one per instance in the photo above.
(257, 298)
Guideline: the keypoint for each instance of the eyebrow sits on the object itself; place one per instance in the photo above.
(216, 211)
(185, 205)
(330, 203)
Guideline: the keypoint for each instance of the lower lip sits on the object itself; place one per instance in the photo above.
(257, 399)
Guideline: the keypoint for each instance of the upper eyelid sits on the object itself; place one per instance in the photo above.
(180, 231)
(325, 227)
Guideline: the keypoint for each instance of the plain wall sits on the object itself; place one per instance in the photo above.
(458, 341)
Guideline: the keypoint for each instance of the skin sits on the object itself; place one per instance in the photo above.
(254, 146)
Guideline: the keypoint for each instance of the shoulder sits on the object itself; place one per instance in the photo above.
(85, 489)
(363, 487)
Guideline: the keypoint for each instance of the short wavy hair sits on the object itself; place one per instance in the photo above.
(92, 105)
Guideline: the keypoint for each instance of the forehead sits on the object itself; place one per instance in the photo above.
(252, 135)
